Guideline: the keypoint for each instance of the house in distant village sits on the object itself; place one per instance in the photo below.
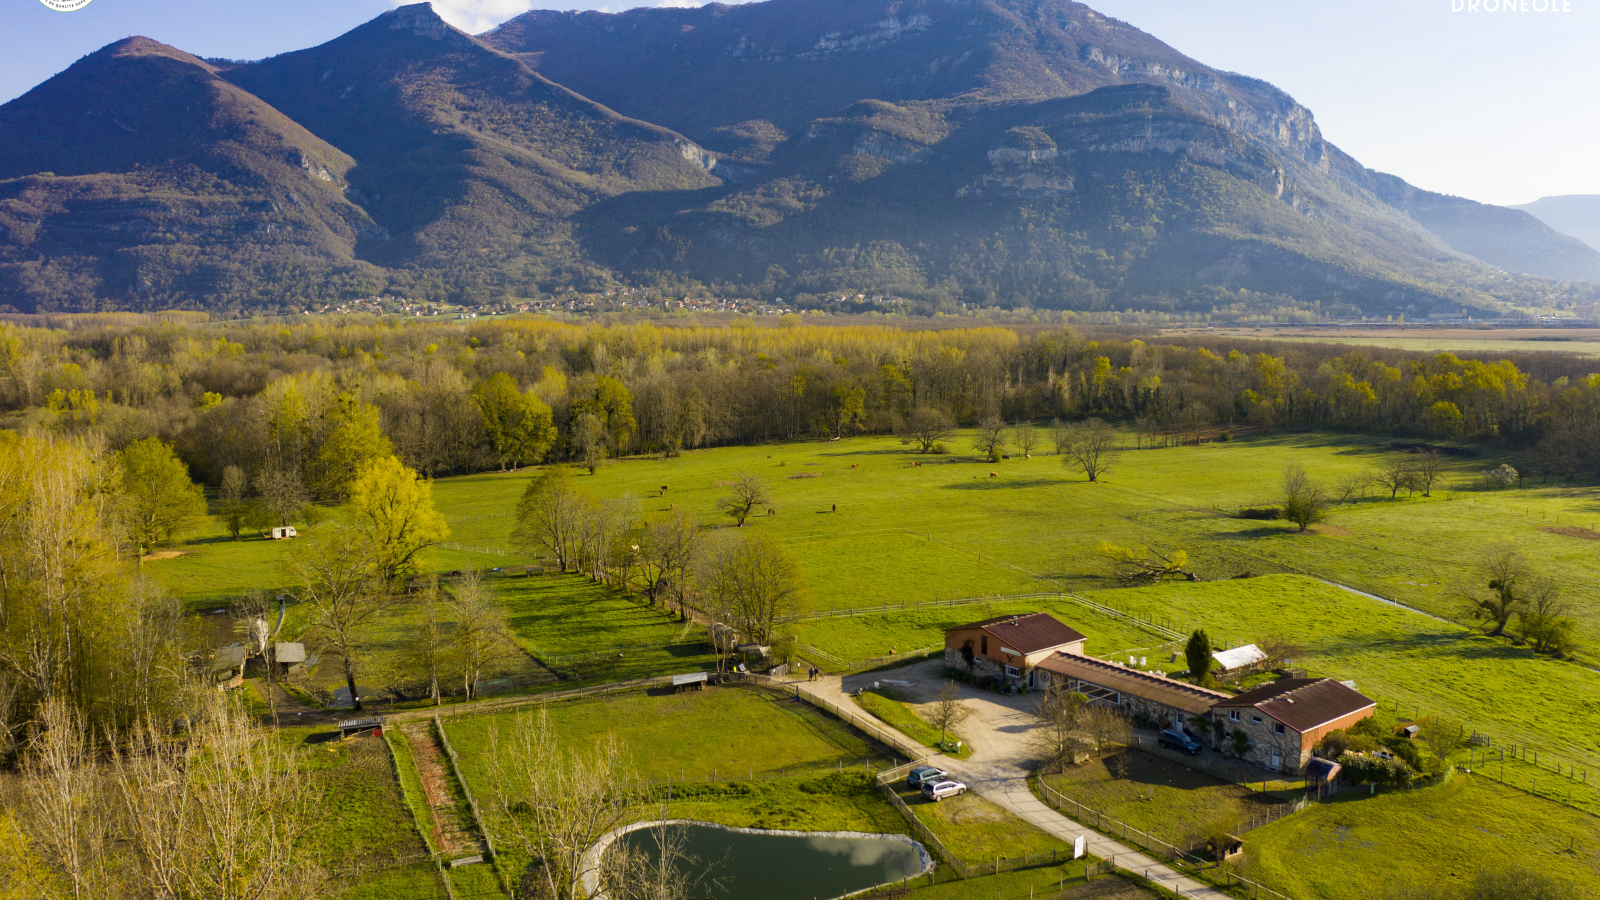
(1284, 719)
(1010, 647)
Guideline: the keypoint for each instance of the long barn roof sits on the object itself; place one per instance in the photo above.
(1134, 683)
(1028, 633)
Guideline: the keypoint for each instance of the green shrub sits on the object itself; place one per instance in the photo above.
(1375, 769)
(1265, 512)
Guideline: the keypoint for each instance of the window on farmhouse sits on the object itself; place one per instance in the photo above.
(1277, 728)
(1012, 671)
(1233, 715)
(986, 645)
(1256, 719)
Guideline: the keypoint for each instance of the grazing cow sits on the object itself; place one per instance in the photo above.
(772, 512)
(994, 474)
(853, 465)
(663, 489)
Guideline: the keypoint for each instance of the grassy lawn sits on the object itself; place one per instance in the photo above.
(1159, 797)
(1361, 846)
(977, 830)
(363, 823)
(1395, 655)
(846, 801)
(879, 634)
(903, 718)
(731, 733)
(1028, 883)
(557, 616)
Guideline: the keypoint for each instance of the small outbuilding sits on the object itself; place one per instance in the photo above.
(284, 532)
(289, 658)
(1247, 658)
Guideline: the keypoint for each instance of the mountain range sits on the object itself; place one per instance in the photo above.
(998, 152)
(1577, 215)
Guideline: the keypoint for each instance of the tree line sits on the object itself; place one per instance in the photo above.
(298, 409)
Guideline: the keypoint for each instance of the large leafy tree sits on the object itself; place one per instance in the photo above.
(159, 500)
(394, 511)
(354, 438)
(611, 403)
(519, 425)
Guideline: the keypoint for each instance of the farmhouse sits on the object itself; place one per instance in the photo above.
(1151, 700)
(1286, 718)
(1010, 647)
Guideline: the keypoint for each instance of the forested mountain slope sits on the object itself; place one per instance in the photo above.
(1005, 152)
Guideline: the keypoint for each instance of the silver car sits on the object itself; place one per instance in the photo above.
(938, 790)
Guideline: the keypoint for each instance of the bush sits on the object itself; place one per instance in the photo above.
(1375, 769)
(1337, 743)
(940, 449)
(1504, 476)
(994, 455)
(1225, 436)
(1266, 513)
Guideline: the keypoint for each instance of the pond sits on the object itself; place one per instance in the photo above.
(746, 864)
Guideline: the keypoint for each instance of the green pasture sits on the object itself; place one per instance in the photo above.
(1394, 655)
(871, 635)
(904, 719)
(979, 831)
(1029, 884)
(588, 631)
(363, 824)
(946, 528)
(1162, 798)
(1585, 345)
(1363, 846)
(724, 733)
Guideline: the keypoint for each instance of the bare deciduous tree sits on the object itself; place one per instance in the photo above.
(991, 437)
(1025, 438)
(1504, 571)
(482, 634)
(1426, 470)
(1090, 447)
(1058, 739)
(1303, 499)
(748, 493)
(337, 583)
(1352, 485)
(1106, 725)
(549, 515)
(948, 710)
(283, 493)
(926, 427)
(556, 802)
(1395, 475)
(669, 549)
(751, 581)
(234, 506)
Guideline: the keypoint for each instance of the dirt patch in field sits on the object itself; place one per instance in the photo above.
(1573, 531)
(1331, 530)
(163, 554)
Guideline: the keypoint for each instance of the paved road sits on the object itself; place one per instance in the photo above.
(998, 768)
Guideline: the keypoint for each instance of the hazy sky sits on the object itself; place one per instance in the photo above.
(1500, 107)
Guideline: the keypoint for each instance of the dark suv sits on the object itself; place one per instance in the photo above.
(1172, 739)
(921, 775)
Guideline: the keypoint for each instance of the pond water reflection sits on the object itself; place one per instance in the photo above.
(787, 866)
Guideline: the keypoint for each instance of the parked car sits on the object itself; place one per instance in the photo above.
(923, 774)
(1172, 739)
(938, 790)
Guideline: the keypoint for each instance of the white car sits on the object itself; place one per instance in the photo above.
(938, 790)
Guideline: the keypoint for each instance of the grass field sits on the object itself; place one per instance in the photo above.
(873, 635)
(1395, 655)
(904, 719)
(363, 824)
(979, 831)
(1170, 801)
(555, 617)
(1360, 846)
(726, 733)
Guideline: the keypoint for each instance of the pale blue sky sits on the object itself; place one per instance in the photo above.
(1499, 107)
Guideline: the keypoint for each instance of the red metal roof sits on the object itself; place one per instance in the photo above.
(1302, 703)
(1027, 633)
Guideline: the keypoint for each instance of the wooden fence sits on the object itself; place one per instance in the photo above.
(472, 803)
(1109, 825)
